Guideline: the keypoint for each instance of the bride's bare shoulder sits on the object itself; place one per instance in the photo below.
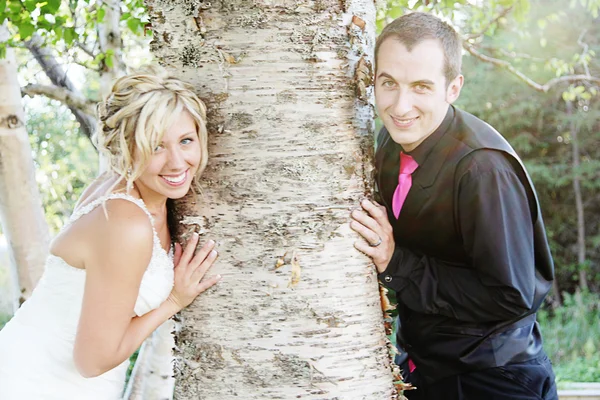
(115, 222)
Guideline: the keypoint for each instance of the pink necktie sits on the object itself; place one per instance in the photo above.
(407, 166)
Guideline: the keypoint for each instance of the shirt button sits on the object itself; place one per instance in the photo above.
(387, 278)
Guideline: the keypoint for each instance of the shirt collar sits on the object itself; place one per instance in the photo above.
(422, 151)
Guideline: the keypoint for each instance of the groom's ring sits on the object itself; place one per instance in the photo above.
(376, 244)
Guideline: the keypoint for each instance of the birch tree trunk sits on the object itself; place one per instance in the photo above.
(110, 41)
(21, 213)
(297, 314)
(152, 375)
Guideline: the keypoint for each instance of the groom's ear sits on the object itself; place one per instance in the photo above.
(454, 88)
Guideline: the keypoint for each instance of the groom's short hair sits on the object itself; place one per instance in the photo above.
(411, 29)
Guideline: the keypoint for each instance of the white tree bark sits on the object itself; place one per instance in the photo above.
(297, 314)
(21, 213)
(63, 95)
(109, 40)
(152, 376)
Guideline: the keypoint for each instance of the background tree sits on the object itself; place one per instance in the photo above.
(21, 214)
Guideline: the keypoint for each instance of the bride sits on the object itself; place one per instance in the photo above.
(112, 276)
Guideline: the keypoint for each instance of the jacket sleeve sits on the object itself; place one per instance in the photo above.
(498, 281)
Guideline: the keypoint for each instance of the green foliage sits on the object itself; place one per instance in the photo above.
(572, 337)
(132, 360)
(68, 27)
(479, 21)
(65, 161)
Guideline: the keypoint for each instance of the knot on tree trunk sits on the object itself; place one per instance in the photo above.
(11, 122)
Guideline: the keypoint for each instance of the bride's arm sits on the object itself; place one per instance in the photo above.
(115, 263)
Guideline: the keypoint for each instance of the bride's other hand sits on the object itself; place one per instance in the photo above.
(190, 269)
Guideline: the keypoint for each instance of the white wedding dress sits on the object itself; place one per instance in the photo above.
(36, 346)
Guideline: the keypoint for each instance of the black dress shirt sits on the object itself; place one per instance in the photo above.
(467, 261)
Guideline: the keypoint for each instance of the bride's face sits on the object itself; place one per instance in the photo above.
(172, 167)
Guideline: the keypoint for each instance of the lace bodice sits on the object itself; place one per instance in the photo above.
(157, 281)
(36, 346)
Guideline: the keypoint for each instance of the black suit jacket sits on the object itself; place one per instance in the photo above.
(440, 337)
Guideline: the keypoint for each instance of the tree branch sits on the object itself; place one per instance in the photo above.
(530, 82)
(86, 50)
(513, 54)
(59, 78)
(61, 94)
(503, 14)
(585, 51)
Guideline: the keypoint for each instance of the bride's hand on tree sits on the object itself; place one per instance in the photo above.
(190, 269)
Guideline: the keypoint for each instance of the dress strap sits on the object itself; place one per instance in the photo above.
(81, 211)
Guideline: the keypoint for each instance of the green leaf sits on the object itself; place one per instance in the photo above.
(26, 29)
(134, 24)
(69, 35)
(31, 5)
(100, 14)
(568, 96)
(51, 7)
(395, 12)
(42, 23)
(15, 7)
(108, 60)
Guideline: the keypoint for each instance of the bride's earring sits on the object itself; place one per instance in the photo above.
(128, 178)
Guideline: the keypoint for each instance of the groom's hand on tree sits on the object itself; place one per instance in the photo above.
(371, 222)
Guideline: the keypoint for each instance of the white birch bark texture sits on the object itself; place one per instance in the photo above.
(152, 376)
(297, 314)
(109, 40)
(21, 214)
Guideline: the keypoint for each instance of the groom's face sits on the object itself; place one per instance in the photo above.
(411, 91)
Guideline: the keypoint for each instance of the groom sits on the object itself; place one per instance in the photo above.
(460, 237)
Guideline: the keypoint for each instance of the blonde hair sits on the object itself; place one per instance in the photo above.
(135, 115)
